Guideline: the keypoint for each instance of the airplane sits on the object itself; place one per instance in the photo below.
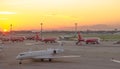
(92, 40)
(50, 40)
(42, 54)
(30, 37)
(38, 38)
(67, 37)
(46, 40)
(4, 39)
(63, 37)
(17, 38)
(12, 38)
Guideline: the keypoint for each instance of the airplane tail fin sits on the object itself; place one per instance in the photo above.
(37, 38)
(79, 36)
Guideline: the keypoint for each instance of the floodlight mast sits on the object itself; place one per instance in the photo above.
(11, 31)
(10, 28)
(41, 30)
(76, 28)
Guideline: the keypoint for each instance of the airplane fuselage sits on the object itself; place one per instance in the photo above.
(43, 54)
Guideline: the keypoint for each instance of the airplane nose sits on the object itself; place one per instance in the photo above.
(18, 57)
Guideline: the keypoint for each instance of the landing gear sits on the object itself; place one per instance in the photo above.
(20, 62)
(77, 43)
(42, 60)
(50, 60)
(54, 52)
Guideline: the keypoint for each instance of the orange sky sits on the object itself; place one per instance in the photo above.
(57, 14)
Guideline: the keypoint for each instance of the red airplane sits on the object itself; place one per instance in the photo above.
(37, 37)
(12, 39)
(51, 40)
(4, 39)
(87, 40)
(46, 40)
(17, 38)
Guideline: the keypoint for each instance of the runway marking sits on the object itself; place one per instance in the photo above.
(116, 61)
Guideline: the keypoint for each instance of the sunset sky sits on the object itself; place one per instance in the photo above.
(59, 14)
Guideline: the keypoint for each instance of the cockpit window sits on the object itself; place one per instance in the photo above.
(22, 54)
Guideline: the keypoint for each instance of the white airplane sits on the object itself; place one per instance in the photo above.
(66, 37)
(42, 54)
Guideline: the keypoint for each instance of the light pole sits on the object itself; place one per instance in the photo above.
(75, 28)
(10, 28)
(41, 30)
(10, 31)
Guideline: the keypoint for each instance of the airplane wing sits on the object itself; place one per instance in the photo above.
(117, 61)
(42, 57)
(71, 56)
(50, 56)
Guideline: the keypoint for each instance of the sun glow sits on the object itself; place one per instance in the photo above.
(5, 30)
(6, 12)
(57, 14)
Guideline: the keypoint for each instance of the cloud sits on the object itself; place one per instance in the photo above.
(94, 27)
(63, 16)
(6, 12)
(3, 18)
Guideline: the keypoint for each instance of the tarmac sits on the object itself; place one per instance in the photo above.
(92, 56)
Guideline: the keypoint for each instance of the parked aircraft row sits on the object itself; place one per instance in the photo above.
(36, 37)
(14, 38)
